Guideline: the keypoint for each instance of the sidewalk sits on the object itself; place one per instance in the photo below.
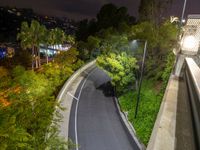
(163, 135)
(173, 127)
(184, 130)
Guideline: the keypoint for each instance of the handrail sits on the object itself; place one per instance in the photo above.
(192, 74)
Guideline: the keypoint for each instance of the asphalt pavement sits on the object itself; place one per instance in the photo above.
(94, 121)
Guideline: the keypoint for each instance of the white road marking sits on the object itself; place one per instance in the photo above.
(72, 96)
(76, 110)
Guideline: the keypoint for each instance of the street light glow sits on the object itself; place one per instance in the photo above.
(189, 42)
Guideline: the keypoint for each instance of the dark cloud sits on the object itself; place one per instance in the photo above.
(79, 9)
(85, 7)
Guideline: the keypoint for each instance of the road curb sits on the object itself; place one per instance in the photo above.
(128, 126)
(65, 99)
(71, 79)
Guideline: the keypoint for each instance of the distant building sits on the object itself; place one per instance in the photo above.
(51, 51)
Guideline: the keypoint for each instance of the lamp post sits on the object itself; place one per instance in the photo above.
(141, 77)
(183, 11)
(177, 51)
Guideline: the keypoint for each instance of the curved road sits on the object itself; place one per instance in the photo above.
(94, 121)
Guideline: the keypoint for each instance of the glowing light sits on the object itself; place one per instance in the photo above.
(189, 42)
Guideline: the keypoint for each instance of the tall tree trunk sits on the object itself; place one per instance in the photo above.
(47, 58)
(39, 61)
(36, 59)
(33, 58)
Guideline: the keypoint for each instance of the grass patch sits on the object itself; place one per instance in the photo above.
(148, 108)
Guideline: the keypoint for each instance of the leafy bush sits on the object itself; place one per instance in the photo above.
(168, 68)
(18, 71)
(120, 68)
(148, 108)
(4, 77)
(3, 72)
(27, 105)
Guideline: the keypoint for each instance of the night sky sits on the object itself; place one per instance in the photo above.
(79, 9)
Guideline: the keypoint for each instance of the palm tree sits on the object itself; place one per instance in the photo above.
(56, 36)
(60, 36)
(49, 40)
(70, 39)
(31, 37)
(47, 43)
(25, 37)
(43, 40)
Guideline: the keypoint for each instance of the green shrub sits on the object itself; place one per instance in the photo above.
(148, 108)
(120, 67)
(168, 68)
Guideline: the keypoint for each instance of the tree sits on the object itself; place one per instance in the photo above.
(108, 16)
(82, 32)
(31, 38)
(60, 36)
(42, 39)
(25, 121)
(160, 39)
(111, 16)
(93, 43)
(113, 41)
(83, 51)
(120, 67)
(70, 39)
(168, 35)
(145, 31)
(152, 10)
(67, 58)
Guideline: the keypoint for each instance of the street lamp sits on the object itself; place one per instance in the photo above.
(189, 44)
(176, 68)
(141, 77)
(183, 11)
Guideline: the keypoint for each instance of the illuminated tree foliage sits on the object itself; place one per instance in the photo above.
(113, 41)
(31, 37)
(90, 47)
(26, 110)
(27, 104)
(120, 68)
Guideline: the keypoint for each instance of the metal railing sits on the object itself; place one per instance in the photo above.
(192, 76)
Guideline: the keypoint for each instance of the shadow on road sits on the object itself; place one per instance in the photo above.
(107, 89)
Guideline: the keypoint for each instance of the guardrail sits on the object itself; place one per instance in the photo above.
(192, 75)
